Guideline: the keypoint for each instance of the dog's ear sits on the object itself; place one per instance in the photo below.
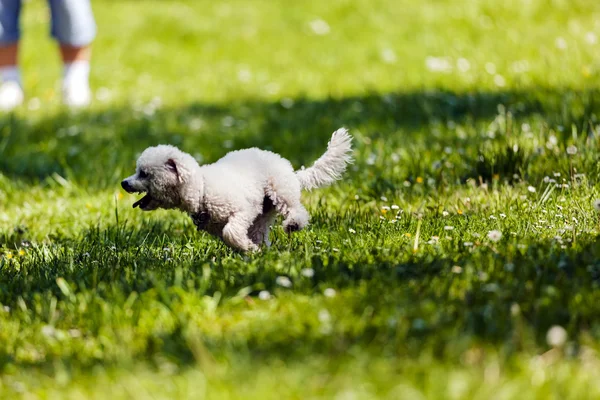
(172, 166)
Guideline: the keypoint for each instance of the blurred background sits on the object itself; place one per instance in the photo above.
(210, 76)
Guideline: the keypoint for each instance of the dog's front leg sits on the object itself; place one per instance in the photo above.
(235, 232)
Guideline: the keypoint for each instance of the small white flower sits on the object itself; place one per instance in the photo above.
(48, 331)
(556, 336)
(383, 198)
(499, 81)
(329, 292)
(351, 230)
(468, 244)
(75, 333)
(494, 235)
(287, 103)
(388, 56)
(264, 295)
(324, 316)
(395, 207)
(547, 179)
(572, 150)
(196, 124)
(502, 215)
(493, 217)
(515, 309)
(456, 269)
(520, 66)
(591, 38)
(386, 208)
(319, 27)
(445, 213)
(531, 189)
(448, 228)
(463, 64)
(561, 43)
(283, 281)
(308, 272)
(438, 64)
(335, 249)
(490, 68)
(244, 75)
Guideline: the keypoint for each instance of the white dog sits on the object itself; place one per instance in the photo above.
(238, 197)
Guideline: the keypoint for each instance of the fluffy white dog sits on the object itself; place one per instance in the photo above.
(238, 197)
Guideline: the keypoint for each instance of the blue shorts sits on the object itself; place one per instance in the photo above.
(72, 21)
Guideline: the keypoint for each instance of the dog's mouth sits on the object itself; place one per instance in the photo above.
(143, 202)
(146, 203)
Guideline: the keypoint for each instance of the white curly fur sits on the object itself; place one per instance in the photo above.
(242, 192)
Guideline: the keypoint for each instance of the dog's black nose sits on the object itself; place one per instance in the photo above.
(126, 186)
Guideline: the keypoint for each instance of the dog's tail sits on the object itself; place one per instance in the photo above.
(331, 165)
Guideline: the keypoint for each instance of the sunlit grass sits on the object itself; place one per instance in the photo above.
(458, 257)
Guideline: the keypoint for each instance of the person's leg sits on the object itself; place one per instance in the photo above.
(73, 26)
(11, 92)
(76, 72)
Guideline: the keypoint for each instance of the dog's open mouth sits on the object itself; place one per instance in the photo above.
(146, 203)
(143, 202)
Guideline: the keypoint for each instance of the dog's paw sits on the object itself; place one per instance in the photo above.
(292, 227)
(253, 249)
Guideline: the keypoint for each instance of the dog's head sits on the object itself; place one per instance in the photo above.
(161, 173)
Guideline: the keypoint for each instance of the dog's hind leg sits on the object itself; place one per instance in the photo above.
(235, 232)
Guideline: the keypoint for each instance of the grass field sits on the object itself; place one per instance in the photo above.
(459, 257)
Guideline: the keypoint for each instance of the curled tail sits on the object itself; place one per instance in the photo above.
(331, 165)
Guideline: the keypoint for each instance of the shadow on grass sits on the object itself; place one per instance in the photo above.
(408, 302)
(98, 148)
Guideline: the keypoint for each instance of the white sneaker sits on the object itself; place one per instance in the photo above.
(11, 95)
(76, 96)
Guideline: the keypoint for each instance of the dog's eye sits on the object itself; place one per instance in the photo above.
(142, 174)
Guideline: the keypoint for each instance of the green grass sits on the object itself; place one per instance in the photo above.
(462, 114)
